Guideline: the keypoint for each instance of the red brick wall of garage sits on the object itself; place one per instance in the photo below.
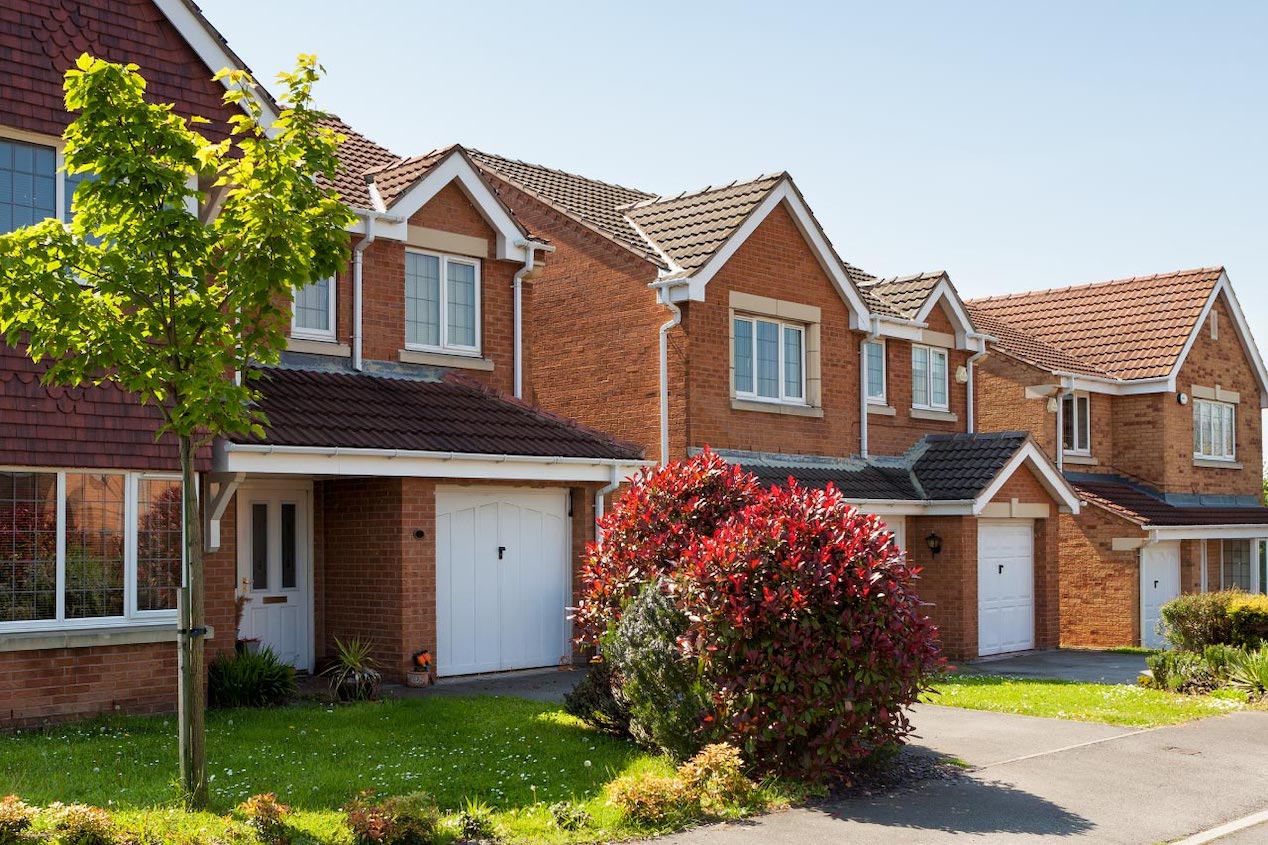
(894, 435)
(948, 580)
(1100, 588)
(775, 261)
(594, 336)
(56, 685)
(41, 39)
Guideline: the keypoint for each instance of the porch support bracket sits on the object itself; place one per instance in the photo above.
(221, 487)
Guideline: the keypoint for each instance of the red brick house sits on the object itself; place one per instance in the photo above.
(725, 318)
(1147, 393)
(404, 490)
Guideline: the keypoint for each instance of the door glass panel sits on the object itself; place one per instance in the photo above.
(288, 545)
(260, 546)
(1237, 564)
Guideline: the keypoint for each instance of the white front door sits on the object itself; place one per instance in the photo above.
(275, 568)
(1159, 584)
(503, 580)
(1005, 586)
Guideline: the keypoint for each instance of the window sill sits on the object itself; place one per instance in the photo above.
(1216, 463)
(775, 408)
(1080, 460)
(444, 359)
(318, 347)
(91, 637)
(881, 410)
(928, 414)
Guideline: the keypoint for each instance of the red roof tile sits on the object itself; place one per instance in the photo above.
(358, 155)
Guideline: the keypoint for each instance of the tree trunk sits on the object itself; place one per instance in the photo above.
(193, 623)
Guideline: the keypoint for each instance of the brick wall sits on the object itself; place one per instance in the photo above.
(948, 580)
(775, 261)
(999, 402)
(893, 435)
(1100, 588)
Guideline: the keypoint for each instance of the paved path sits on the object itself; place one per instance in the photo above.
(1098, 667)
(1045, 780)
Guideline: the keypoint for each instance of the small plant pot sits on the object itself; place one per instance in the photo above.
(418, 679)
(248, 646)
(358, 687)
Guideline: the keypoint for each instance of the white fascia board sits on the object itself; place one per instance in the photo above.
(210, 49)
(511, 239)
(396, 463)
(944, 290)
(1223, 285)
(910, 507)
(1052, 480)
(785, 193)
(1208, 532)
(901, 329)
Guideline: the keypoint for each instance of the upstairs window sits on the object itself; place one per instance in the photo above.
(769, 360)
(442, 303)
(1076, 424)
(1214, 430)
(929, 378)
(874, 365)
(314, 311)
(28, 184)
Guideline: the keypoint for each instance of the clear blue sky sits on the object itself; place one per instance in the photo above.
(1017, 145)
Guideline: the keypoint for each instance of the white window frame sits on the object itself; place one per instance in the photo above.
(883, 398)
(1077, 426)
(1229, 453)
(303, 333)
(58, 146)
(131, 617)
(946, 376)
(752, 395)
(445, 346)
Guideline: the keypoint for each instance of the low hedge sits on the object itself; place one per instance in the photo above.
(1228, 617)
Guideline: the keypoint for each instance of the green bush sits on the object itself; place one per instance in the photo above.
(659, 686)
(249, 680)
(1249, 672)
(593, 702)
(267, 817)
(569, 816)
(16, 817)
(411, 819)
(653, 800)
(475, 821)
(715, 779)
(1182, 671)
(79, 824)
(1248, 620)
(1196, 620)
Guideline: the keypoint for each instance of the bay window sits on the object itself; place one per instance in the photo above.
(442, 303)
(313, 311)
(88, 548)
(929, 378)
(1076, 419)
(769, 360)
(1214, 430)
(874, 365)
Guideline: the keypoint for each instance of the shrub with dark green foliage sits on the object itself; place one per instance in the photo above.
(1248, 620)
(249, 680)
(660, 686)
(1196, 620)
(593, 702)
(1182, 671)
(411, 819)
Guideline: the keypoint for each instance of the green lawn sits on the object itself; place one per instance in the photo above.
(1114, 704)
(516, 755)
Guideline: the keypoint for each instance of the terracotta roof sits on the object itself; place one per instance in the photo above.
(905, 295)
(594, 203)
(1025, 347)
(358, 155)
(394, 179)
(1144, 507)
(449, 414)
(1130, 328)
(690, 228)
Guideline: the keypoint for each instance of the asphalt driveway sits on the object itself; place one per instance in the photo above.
(1096, 667)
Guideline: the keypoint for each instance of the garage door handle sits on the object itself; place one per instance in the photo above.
(1001, 569)
(1155, 585)
(501, 551)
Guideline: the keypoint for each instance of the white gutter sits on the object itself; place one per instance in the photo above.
(863, 385)
(973, 359)
(662, 290)
(600, 500)
(530, 248)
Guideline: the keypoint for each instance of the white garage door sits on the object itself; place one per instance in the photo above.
(502, 580)
(1005, 586)
(1159, 584)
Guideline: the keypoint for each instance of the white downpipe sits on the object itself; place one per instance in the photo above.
(530, 250)
(973, 359)
(600, 501)
(663, 289)
(863, 385)
(360, 248)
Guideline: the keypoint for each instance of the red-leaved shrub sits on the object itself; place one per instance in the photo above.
(664, 510)
(804, 618)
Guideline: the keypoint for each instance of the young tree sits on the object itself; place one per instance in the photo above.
(176, 272)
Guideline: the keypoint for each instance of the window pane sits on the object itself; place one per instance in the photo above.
(1237, 564)
(28, 545)
(792, 363)
(94, 545)
(919, 375)
(422, 299)
(1067, 422)
(1083, 421)
(1230, 432)
(938, 375)
(743, 356)
(260, 546)
(767, 359)
(28, 179)
(159, 543)
(288, 545)
(312, 306)
(72, 185)
(875, 370)
(461, 304)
